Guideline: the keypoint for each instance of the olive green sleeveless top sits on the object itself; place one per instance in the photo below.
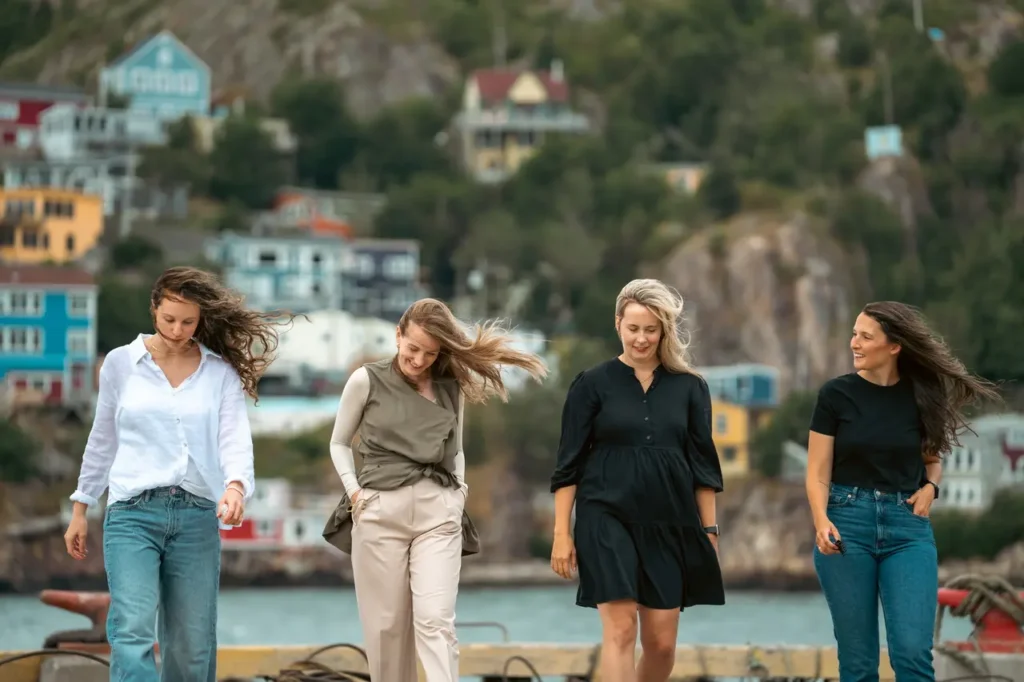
(404, 437)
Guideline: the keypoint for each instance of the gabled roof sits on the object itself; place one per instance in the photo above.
(44, 275)
(494, 84)
(142, 44)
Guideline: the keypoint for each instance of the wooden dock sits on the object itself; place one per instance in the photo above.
(480, 660)
(493, 661)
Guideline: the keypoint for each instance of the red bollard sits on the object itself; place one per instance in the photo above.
(996, 631)
(92, 605)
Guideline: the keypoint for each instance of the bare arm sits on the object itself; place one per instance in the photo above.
(565, 497)
(933, 469)
(819, 475)
(346, 423)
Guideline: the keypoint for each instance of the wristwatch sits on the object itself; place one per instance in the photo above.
(934, 485)
(711, 530)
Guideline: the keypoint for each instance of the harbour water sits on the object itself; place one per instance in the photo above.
(540, 614)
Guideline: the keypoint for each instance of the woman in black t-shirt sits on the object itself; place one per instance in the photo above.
(873, 471)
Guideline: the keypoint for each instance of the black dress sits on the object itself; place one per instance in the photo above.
(636, 458)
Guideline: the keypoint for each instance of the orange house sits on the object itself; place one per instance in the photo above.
(48, 225)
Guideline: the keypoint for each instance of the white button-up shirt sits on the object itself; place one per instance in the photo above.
(147, 435)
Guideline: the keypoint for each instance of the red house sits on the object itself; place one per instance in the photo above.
(20, 107)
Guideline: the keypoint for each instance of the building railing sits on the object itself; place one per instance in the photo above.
(511, 119)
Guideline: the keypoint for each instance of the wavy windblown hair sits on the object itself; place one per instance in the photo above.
(245, 338)
(942, 385)
(667, 305)
(475, 363)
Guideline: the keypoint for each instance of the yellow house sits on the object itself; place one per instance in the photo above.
(506, 114)
(731, 431)
(41, 225)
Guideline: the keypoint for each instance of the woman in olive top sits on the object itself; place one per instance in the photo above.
(405, 526)
(873, 471)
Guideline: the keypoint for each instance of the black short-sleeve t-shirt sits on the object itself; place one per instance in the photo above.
(877, 431)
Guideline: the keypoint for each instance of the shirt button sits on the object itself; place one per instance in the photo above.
(646, 418)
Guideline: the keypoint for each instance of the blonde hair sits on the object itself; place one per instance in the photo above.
(667, 305)
(474, 363)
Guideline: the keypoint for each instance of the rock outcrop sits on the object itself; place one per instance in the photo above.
(768, 289)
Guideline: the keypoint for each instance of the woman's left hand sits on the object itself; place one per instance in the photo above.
(231, 507)
(922, 500)
(714, 541)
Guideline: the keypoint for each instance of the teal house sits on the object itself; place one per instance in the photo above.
(160, 76)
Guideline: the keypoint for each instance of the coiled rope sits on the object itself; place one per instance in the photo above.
(984, 594)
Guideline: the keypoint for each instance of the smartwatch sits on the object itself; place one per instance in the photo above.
(934, 485)
(711, 530)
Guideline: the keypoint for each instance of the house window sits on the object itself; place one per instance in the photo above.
(729, 454)
(21, 340)
(721, 424)
(69, 243)
(78, 342)
(401, 267)
(267, 258)
(79, 305)
(25, 303)
(970, 460)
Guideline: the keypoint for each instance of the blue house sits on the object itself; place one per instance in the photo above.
(381, 277)
(751, 385)
(160, 76)
(48, 333)
(295, 271)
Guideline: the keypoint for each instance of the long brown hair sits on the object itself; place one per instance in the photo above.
(474, 363)
(942, 385)
(245, 338)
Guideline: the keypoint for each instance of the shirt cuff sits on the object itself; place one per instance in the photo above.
(88, 500)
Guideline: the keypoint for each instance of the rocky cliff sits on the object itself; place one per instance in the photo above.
(772, 289)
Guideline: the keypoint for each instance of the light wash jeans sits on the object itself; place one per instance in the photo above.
(161, 550)
(890, 556)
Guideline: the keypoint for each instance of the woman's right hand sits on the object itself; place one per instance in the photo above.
(74, 538)
(355, 496)
(826, 536)
(563, 556)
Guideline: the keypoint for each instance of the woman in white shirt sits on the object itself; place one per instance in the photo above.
(406, 526)
(171, 445)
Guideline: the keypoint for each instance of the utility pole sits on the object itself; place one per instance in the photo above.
(883, 59)
(500, 40)
(918, 16)
(127, 188)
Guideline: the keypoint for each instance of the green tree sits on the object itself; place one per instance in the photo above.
(122, 312)
(327, 134)
(790, 422)
(18, 453)
(244, 165)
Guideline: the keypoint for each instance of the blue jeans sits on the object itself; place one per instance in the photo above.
(161, 550)
(890, 556)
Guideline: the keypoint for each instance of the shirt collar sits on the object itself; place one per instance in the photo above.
(138, 350)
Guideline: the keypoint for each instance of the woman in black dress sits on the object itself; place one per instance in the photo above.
(637, 458)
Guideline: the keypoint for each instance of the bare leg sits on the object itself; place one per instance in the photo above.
(658, 628)
(618, 640)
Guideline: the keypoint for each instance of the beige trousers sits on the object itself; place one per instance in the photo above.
(406, 558)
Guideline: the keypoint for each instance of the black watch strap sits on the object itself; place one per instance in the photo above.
(937, 489)
(711, 530)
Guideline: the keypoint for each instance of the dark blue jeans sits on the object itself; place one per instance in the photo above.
(890, 556)
(161, 550)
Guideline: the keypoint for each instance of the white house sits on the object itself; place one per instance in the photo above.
(1008, 431)
(330, 343)
(300, 272)
(68, 132)
(970, 473)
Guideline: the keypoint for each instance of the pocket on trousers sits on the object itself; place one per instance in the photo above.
(125, 505)
(837, 500)
(909, 509)
(201, 502)
(366, 498)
